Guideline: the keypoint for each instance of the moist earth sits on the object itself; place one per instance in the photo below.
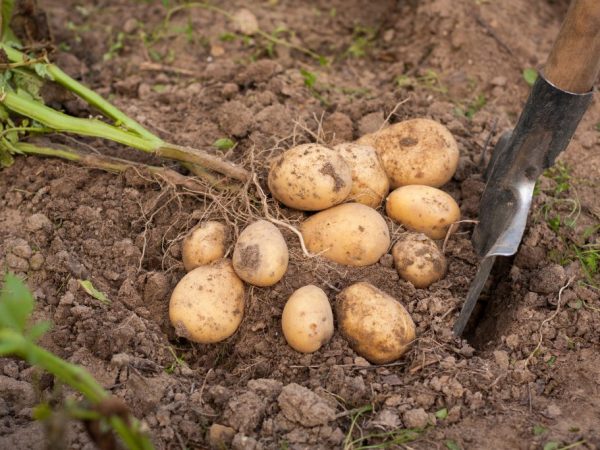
(526, 377)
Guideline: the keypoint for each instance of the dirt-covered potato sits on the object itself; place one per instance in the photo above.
(307, 319)
(204, 244)
(260, 255)
(424, 209)
(352, 234)
(416, 151)
(207, 305)
(375, 324)
(369, 181)
(310, 177)
(418, 259)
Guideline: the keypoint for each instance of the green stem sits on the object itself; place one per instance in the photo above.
(84, 92)
(65, 123)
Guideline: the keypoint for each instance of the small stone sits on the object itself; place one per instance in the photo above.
(501, 358)
(130, 25)
(548, 280)
(36, 261)
(553, 411)
(220, 436)
(415, 418)
(498, 81)
(37, 222)
(361, 362)
(245, 22)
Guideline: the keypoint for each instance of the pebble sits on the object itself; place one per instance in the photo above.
(220, 436)
(36, 261)
(415, 418)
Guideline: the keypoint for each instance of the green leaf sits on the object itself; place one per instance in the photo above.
(16, 303)
(224, 144)
(38, 330)
(6, 159)
(550, 362)
(442, 413)
(6, 12)
(42, 411)
(538, 430)
(91, 290)
(42, 70)
(551, 445)
(452, 445)
(309, 78)
(530, 76)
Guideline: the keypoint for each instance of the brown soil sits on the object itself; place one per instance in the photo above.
(60, 222)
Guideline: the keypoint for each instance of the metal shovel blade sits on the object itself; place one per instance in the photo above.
(544, 129)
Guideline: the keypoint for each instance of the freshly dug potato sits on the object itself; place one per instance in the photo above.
(416, 151)
(369, 181)
(307, 319)
(352, 234)
(375, 324)
(204, 244)
(419, 260)
(207, 305)
(310, 177)
(424, 209)
(260, 256)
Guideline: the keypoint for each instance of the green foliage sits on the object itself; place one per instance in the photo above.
(310, 78)
(530, 76)
(16, 304)
(429, 80)
(224, 144)
(116, 46)
(442, 413)
(451, 445)
(91, 290)
(362, 40)
(539, 430)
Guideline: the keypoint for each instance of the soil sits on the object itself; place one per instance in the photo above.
(526, 377)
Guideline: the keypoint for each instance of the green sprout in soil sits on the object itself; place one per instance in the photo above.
(23, 114)
(18, 339)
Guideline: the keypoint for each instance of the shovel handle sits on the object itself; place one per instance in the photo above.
(574, 62)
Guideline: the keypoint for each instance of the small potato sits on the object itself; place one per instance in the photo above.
(375, 324)
(204, 244)
(352, 234)
(310, 177)
(307, 319)
(260, 256)
(419, 260)
(369, 181)
(416, 151)
(424, 209)
(207, 305)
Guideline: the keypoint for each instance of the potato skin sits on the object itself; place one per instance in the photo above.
(352, 234)
(310, 177)
(416, 151)
(260, 256)
(207, 305)
(375, 324)
(307, 319)
(370, 184)
(419, 260)
(424, 209)
(204, 244)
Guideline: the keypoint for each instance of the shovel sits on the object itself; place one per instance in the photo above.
(558, 100)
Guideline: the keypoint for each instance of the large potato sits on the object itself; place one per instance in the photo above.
(375, 324)
(204, 244)
(418, 259)
(260, 256)
(416, 151)
(207, 305)
(369, 181)
(310, 177)
(351, 234)
(307, 319)
(424, 209)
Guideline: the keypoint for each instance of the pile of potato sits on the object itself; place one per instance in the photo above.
(345, 184)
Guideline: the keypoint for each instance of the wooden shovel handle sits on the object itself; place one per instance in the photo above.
(574, 62)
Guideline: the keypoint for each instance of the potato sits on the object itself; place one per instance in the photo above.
(416, 151)
(307, 319)
(375, 324)
(424, 209)
(369, 181)
(351, 234)
(310, 177)
(260, 256)
(419, 260)
(204, 244)
(207, 305)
